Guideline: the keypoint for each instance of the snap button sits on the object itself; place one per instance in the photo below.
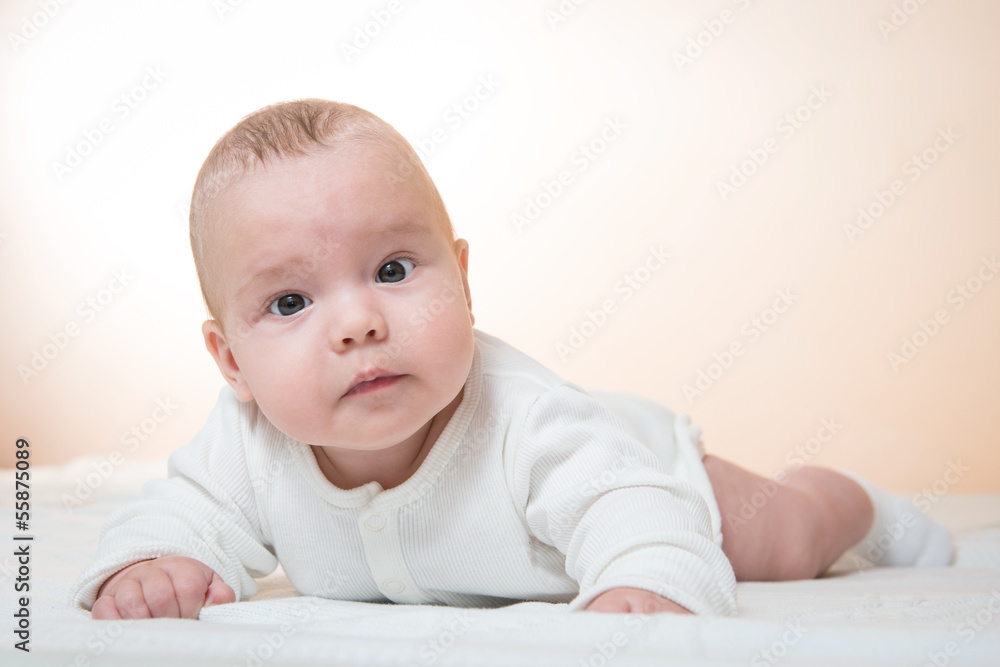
(375, 522)
(393, 586)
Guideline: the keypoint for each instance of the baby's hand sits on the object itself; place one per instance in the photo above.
(633, 601)
(169, 587)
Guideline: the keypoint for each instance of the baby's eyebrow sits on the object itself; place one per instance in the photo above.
(401, 228)
(269, 273)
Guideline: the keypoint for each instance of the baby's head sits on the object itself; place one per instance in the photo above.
(289, 130)
(338, 294)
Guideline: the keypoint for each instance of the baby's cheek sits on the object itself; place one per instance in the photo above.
(460, 350)
(282, 388)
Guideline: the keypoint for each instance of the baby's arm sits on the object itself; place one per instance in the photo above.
(204, 513)
(169, 587)
(623, 523)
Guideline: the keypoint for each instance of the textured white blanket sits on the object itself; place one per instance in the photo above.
(935, 616)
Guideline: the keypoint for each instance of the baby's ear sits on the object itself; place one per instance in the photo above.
(218, 347)
(462, 254)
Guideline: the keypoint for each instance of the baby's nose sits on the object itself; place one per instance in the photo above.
(358, 325)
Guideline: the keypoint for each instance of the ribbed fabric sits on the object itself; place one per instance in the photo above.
(534, 491)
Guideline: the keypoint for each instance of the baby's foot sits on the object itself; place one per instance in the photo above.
(901, 535)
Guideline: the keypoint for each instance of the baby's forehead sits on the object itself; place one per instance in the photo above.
(334, 182)
(386, 164)
(347, 171)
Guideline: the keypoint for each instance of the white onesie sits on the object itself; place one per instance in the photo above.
(533, 491)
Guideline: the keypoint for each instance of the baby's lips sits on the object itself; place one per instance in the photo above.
(364, 379)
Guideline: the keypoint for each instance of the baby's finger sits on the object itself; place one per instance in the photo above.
(190, 584)
(219, 592)
(128, 597)
(609, 602)
(645, 605)
(158, 591)
(105, 609)
(654, 604)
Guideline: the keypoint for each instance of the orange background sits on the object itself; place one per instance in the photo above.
(681, 127)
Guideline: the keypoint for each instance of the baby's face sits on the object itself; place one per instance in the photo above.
(346, 306)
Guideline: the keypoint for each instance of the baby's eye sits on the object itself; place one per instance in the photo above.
(394, 271)
(289, 304)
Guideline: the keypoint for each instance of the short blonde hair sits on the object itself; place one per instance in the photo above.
(290, 129)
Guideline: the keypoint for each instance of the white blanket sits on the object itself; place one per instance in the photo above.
(934, 616)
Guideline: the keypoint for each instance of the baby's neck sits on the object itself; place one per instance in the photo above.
(348, 469)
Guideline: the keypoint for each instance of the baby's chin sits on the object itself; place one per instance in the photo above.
(354, 445)
(369, 440)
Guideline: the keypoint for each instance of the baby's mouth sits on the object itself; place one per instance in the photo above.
(374, 384)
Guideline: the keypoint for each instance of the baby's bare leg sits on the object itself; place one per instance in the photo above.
(793, 530)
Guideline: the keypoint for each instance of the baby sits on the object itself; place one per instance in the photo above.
(380, 448)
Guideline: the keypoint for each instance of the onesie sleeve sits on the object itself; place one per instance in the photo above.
(602, 498)
(205, 510)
